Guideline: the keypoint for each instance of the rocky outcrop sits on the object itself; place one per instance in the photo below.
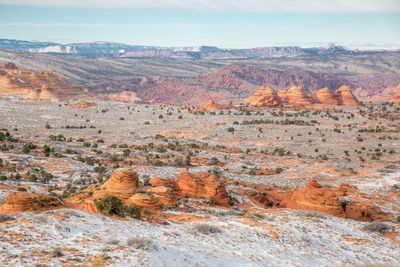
(316, 198)
(282, 94)
(125, 97)
(211, 106)
(166, 196)
(83, 105)
(16, 202)
(123, 183)
(145, 201)
(396, 95)
(341, 201)
(264, 96)
(38, 86)
(202, 185)
(297, 96)
(43, 94)
(325, 96)
(345, 97)
(9, 66)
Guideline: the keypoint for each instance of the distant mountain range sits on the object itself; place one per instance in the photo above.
(111, 49)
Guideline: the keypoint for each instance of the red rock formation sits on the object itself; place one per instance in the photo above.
(264, 96)
(282, 94)
(297, 96)
(158, 181)
(165, 195)
(201, 185)
(16, 202)
(396, 95)
(82, 201)
(123, 183)
(42, 86)
(83, 105)
(330, 200)
(345, 97)
(146, 201)
(210, 106)
(316, 198)
(125, 97)
(9, 66)
(325, 96)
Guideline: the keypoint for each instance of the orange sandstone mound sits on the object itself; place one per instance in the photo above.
(331, 200)
(297, 96)
(325, 96)
(264, 96)
(123, 183)
(16, 202)
(283, 95)
(145, 201)
(83, 105)
(202, 185)
(166, 196)
(211, 106)
(345, 97)
(125, 97)
(38, 86)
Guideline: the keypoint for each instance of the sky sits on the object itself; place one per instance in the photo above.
(222, 23)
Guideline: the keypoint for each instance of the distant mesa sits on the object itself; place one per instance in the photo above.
(125, 97)
(297, 96)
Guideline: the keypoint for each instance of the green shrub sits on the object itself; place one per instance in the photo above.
(110, 205)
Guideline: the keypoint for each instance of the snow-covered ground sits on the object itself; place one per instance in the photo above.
(284, 238)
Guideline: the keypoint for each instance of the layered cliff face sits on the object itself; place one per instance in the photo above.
(16, 202)
(345, 97)
(38, 86)
(264, 96)
(325, 96)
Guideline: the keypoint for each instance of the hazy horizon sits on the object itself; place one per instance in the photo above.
(175, 23)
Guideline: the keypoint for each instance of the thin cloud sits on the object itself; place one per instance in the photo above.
(255, 5)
